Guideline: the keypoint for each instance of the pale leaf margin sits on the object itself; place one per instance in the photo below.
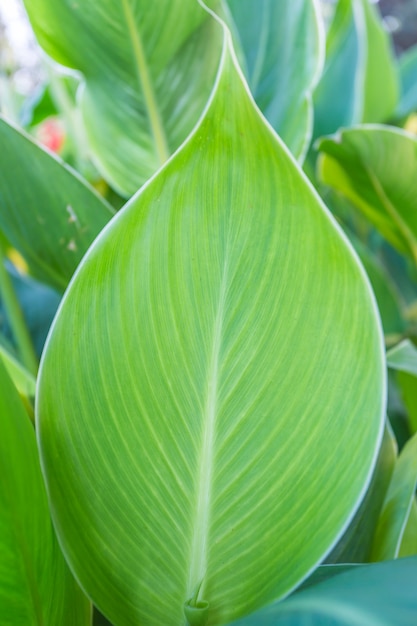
(228, 49)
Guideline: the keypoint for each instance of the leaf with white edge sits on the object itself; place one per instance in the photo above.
(359, 82)
(324, 572)
(337, 98)
(283, 46)
(354, 162)
(397, 505)
(403, 357)
(407, 65)
(148, 69)
(200, 421)
(36, 586)
(47, 211)
(381, 594)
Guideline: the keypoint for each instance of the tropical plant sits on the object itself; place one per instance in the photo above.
(212, 442)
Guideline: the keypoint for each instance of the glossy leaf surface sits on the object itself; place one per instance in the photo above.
(354, 163)
(283, 46)
(202, 384)
(148, 68)
(47, 211)
(381, 594)
(36, 587)
(397, 505)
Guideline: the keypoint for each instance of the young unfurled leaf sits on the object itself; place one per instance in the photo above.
(204, 432)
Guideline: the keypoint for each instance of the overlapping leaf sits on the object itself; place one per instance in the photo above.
(397, 506)
(283, 46)
(356, 544)
(408, 80)
(208, 413)
(403, 357)
(148, 69)
(355, 163)
(382, 594)
(47, 211)
(36, 587)
(359, 82)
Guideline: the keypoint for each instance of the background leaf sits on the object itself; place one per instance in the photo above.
(354, 163)
(380, 80)
(408, 79)
(47, 211)
(283, 46)
(359, 82)
(160, 58)
(23, 380)
(202, 400)
(397, 505)
(409, 539)
(381, 594)
(356, 544)
(36, 587)
(403, 357)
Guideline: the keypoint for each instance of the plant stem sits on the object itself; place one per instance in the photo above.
(16, 319)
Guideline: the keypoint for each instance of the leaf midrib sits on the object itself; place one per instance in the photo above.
(157, 129)
(199, 553)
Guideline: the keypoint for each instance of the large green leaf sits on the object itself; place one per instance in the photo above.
(47, 211)
(148, 69)
(359, 82)
(381, 594)
(283, 45)
(356, 162)
(397, 505)
(36, 587)
(202, 425)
